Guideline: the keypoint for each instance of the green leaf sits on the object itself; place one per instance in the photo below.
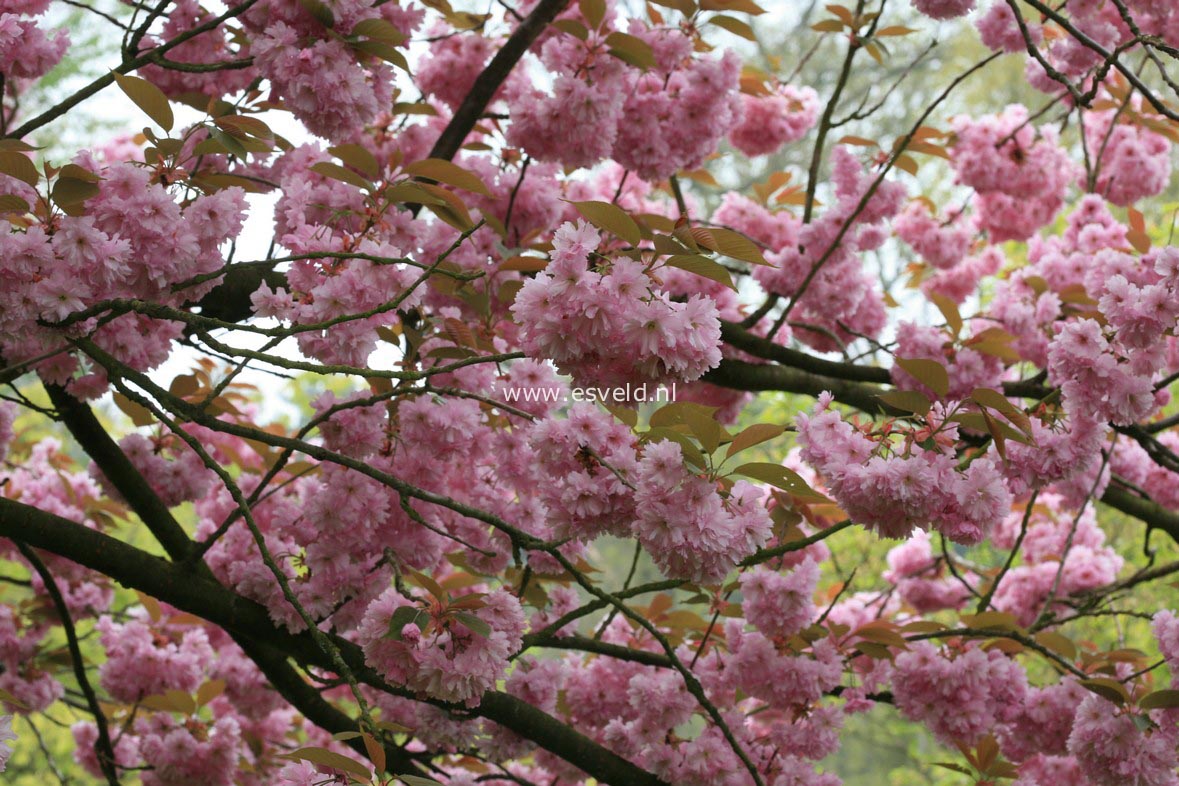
(980, 421)
(229, 143)
(1058, 643)
(406, 615)
(780, 477)
(337, 172)
(448, 207)
(995, 400)
(20, 166)
(321, 12)
(448, 173)
(1109, 689)
(929, 373)
(573, 28)
(428, 583)
(594, 12)
(171, 701)
(331, 759)
(358, 157)
(384, 51)
(379, 30)
(734, 26)
(754, 435)
(630, 49)
(908, 400)
(685, 7)
(703, 266)
(611, 218)
(415, 780)
(740, 6)
(949, 310)
(242, 124)
(72, 191)
(140, 415)
(992, 620)
(1160, 699)
(13, 204)
(474, 624)
(209, 691)
(147, 97)
(735, 245)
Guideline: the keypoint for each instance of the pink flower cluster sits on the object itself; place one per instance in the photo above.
(841, 296)
(454, 62)
(999, 29)
(779, 676)
(1044, 722)
(944, 9)
(689, 530)
(583, 497)
(456, 663)
(920, 578)
(1134, 163)
(136, 241)
(26, 52)
(1113, 750)
(140, 664)
(1093, 379)
(613, 327)
(942, 244)
(1088, 563)
(895, 494)
(332, 88)
(8, 413)
(212, 46)
(7, 737)
(1165, 627)
(967, 368)
(1020, 172)
(189, 754)
(985, 688)
(960, 282)
(656, 122)
(30, 684)
(778, 118)
(780, 605)
(181, 479)
(329, 291)
(40, 480)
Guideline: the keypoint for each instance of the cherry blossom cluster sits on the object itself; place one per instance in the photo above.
(655, 122)
(136, 241)
(986, 687)
(27, 52)
(840, 298)
(615, 326)
(780, 117)
(453, 662)
(333, 88)
(894, 493)
(1063, 552)
(1020, 172)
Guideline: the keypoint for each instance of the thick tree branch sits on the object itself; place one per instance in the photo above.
(212, 602)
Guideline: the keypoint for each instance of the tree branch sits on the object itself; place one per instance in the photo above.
(212, 602)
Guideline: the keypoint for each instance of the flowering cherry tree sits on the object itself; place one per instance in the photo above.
(494, 232)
